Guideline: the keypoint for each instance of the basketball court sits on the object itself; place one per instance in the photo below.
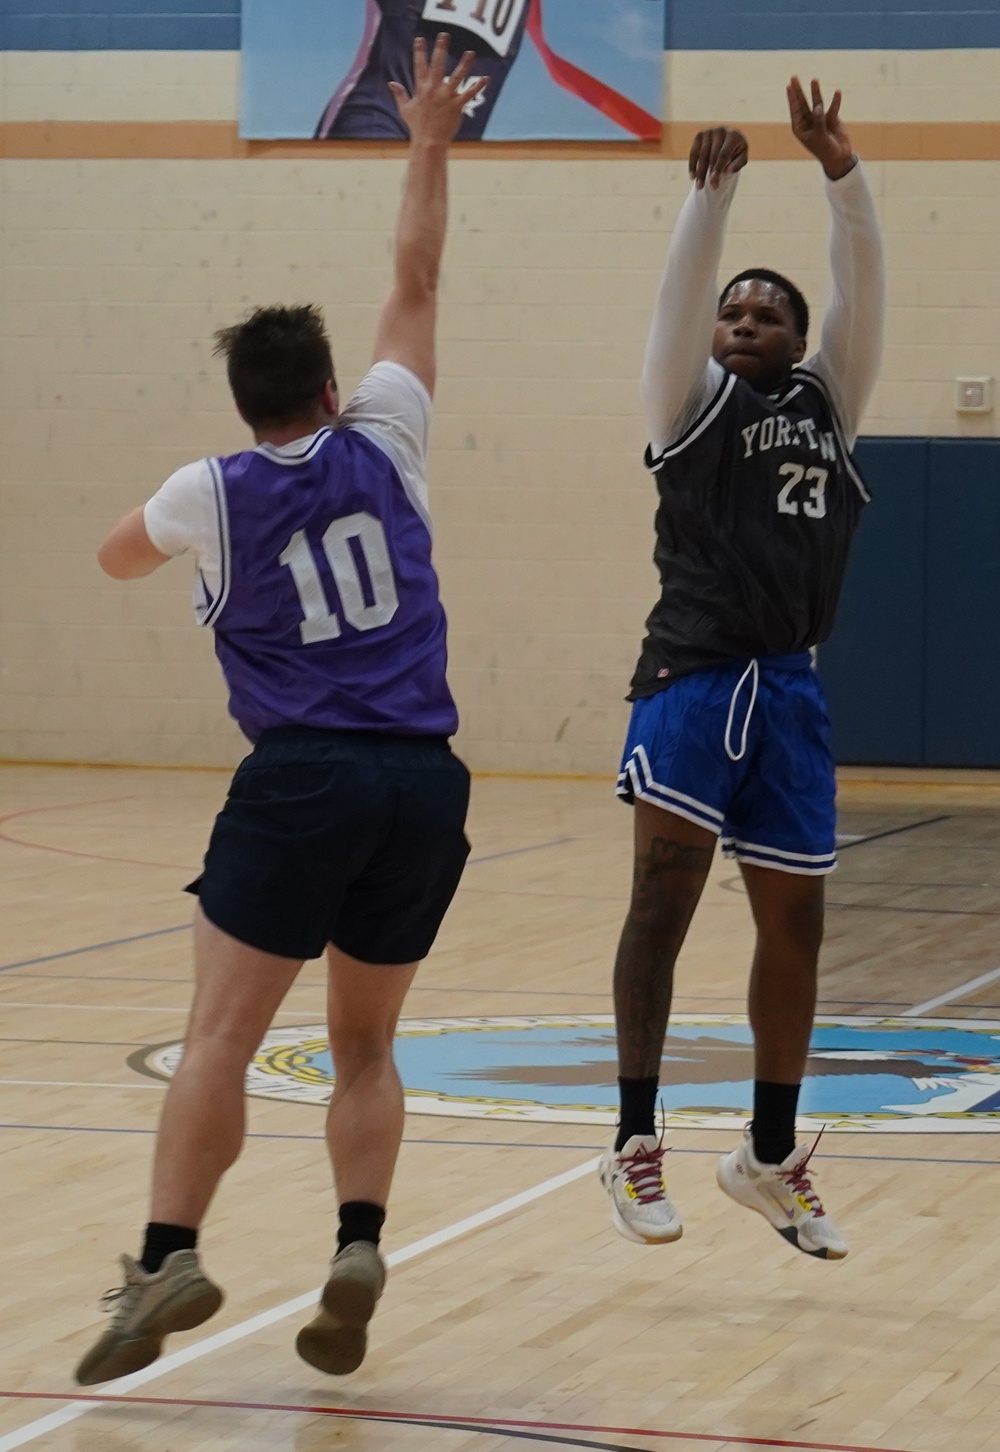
(513, 1314)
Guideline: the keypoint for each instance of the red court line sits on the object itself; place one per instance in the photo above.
(452, 1421)
(68, 851)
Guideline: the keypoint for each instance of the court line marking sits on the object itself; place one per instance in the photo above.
(963, 991)
(136, 1008)
(895, 831)
(96, 948)
(76, 1084)
(185, 927)
(458, 1423)
(298, 1304)
(518, 1144)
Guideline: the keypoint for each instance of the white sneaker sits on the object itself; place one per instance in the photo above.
(641, 1210)
(784, 1195)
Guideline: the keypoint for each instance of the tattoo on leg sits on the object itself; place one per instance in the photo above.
(668, 882)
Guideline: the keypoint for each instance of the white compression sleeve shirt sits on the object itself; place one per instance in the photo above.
(680, 378)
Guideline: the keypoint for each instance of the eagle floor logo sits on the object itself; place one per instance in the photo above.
(874, 1074)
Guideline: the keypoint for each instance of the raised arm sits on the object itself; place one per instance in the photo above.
(433, 115)
(679, 377)
(850, 349)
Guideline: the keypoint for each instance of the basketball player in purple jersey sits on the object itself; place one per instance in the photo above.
(361, 107)
(343, 830)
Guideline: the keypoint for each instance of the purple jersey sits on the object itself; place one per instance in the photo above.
(314, 569)
(329, 614)
(363, 106)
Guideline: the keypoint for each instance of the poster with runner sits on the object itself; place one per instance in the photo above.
(559, 70)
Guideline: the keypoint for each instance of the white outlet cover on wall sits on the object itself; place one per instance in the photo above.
(974, 395)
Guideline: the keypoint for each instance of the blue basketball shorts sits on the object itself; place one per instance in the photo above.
(744, 751)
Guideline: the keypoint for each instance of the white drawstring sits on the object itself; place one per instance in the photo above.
(753, 671)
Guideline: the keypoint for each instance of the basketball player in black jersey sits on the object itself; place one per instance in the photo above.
(758, 503)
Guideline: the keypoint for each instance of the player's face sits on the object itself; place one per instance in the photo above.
(755, 336)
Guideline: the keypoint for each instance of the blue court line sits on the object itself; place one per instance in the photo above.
(93, 948)
(512, 1144)
(182, 927)
(519, 851)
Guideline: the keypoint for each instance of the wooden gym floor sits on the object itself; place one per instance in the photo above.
(513, 1314)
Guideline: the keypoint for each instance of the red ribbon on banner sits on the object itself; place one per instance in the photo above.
(609, 102)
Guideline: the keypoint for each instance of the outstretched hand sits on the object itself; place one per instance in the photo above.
(819, 129)
(716, 152)
(434, 112)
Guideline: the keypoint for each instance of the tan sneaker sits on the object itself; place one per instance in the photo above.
(147, 1308)
(337, 1339)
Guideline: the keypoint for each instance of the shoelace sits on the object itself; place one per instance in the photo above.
(800, 1182)
(113, 1303)
(644, 1171)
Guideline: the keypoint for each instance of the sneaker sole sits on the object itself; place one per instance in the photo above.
(133, 1353)
(335, 1342)
(625, 1230)
(788, 1233)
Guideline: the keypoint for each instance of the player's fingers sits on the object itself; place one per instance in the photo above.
(720, 138)
(817, 100)
(833, 115)
(463, 68)
(439, 57)
(798, 106)
(399, 94)
(419, 62)
(697, 160)
(729, 151)
(475, 89)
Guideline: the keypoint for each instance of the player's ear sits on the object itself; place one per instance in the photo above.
(799, 350)
(331, 398)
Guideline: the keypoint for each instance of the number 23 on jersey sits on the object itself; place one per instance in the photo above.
(813, 505)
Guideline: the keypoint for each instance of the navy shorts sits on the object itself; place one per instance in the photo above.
(340, 837)
(744, 751)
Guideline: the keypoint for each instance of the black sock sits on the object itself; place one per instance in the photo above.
(163, 1240)
(360, 1220)
(638, 1101)
(774, 1107)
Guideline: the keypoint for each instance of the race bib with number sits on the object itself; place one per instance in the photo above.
(494, 21)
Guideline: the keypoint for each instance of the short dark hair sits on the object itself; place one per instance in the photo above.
(278, 360)
(800, 308)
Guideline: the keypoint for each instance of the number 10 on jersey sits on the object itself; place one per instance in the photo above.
(319, 621)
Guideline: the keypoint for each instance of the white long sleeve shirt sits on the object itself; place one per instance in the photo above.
(680, 377)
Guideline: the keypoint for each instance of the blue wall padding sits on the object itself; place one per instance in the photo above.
(121, 24)
(873, 666)
(913, 667)
(818, 25)
(963, 603)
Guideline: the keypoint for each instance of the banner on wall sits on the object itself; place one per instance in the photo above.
(559, 70)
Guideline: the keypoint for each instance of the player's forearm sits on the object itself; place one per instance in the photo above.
(423, 218)
(680, 337)
(851, 347)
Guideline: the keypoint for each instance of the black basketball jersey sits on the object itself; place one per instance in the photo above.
(364, 107)
(759, 502)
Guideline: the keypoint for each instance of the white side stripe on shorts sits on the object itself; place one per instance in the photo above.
(805, 858)
(640, 776)
(798, 863)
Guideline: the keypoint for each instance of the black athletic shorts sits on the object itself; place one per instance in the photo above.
(342, 837)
